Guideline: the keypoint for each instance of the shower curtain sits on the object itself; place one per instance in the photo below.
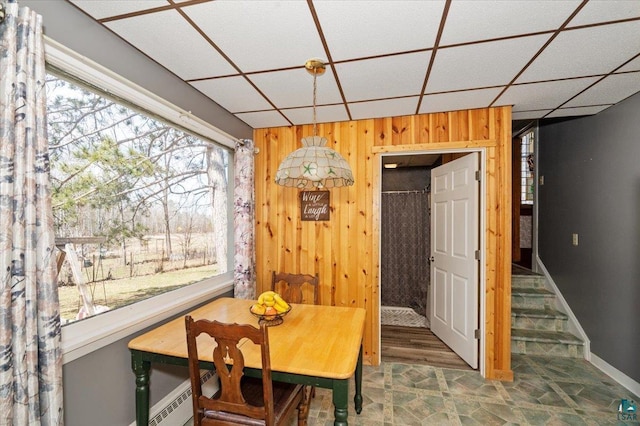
(406, 234)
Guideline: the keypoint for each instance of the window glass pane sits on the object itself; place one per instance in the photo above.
(140, 205)
(527, 168)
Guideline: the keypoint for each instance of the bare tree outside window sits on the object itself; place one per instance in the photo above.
(142, 203)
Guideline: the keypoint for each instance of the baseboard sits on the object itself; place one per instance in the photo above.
(503, 375)
(176, 408)
(574, 324)
(616, 374)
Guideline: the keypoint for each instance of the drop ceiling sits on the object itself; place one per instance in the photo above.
(388, 58)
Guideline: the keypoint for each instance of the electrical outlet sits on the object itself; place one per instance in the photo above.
(575, 239)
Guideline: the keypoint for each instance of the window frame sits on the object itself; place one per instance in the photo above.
(83, 337)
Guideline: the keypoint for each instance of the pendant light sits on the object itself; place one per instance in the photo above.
(315, 165)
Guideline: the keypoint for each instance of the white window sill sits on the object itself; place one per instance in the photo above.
(83, 337)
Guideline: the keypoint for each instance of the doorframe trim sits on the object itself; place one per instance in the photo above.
(482, 206)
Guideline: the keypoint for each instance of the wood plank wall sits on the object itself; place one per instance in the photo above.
(344, 251)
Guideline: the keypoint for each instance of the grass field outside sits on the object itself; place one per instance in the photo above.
(118, 293)
(113, 280)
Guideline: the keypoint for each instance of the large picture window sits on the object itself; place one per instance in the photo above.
(141, 203)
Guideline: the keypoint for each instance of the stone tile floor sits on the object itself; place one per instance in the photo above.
(545, 391)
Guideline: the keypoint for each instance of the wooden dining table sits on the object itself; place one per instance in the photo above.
(315, 345)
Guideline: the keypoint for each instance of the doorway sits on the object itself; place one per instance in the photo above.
(405, 219)
(523, 197)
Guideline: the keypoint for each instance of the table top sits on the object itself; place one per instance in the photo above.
(314, 340)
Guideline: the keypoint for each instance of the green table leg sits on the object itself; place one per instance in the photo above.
(340, 402)
(357, 399)
(141, 369)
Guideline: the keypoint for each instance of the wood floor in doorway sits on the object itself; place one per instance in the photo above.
(416, 345)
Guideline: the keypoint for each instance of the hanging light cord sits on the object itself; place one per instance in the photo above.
(315, 89)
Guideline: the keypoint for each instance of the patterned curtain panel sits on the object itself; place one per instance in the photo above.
(30, 354)
(244, 221)
(405, 237)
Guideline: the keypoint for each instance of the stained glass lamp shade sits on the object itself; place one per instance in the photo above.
(314, 166)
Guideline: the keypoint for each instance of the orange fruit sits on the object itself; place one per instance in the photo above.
(270, 313)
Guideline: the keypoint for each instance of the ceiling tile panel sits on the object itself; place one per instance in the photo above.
(611, 90)
(262, 119)
(482, 20)
(573, 112)
(260, 35)
(453, 101)
(235, 94)
(548, 95)
(631, 66)
(529, 115)
(386, 108)
(356, 29)
(100, 9)
(392, 76)
(325, 114)
(588, 51)
(481, 65)
(177, 47)
(294, 88)
(605, 11)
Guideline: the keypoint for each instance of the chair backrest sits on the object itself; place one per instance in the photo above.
(225, 354)
(290, 286)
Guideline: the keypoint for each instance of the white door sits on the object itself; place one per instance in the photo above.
(454, 268)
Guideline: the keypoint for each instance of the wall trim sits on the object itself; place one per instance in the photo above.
(176, 408)
(573, 323)
(615, 374)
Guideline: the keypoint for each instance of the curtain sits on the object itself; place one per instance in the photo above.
(244, 280)
(30, 353)
(405, 237)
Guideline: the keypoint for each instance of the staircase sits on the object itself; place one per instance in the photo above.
(537, 328)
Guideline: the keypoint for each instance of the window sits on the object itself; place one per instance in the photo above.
(140, 200)
(527, 168)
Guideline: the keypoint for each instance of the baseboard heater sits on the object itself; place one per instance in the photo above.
(176, 408)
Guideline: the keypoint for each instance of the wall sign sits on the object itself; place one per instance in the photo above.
(314, 205)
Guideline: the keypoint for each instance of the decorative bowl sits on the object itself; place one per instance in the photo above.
(271, 320)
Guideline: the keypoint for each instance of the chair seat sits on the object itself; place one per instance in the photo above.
(283, 395)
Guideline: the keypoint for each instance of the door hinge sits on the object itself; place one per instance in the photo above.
(476, 333)
(477, 254)
(478, 175)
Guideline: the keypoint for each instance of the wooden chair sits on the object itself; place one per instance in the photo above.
(290, 286)
(240, 400)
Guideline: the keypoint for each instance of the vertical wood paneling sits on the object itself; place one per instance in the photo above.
(345, 250)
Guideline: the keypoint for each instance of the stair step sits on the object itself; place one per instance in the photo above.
(543, 342)
(533, 292)
(538, 313)
(528, 281)
(544, 336)
(538, 319)
(532, 298)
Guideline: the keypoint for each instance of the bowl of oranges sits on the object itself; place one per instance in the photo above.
(270, 308)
